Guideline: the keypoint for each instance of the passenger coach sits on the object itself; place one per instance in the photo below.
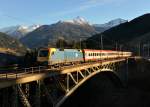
(51, 56)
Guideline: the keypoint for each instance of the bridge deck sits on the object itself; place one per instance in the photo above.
(10, 79)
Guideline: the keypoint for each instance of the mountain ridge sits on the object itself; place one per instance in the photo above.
(51, 33)
(111, 23)
(19, 31)
(71, 31)
(125, 35)
(11, 45)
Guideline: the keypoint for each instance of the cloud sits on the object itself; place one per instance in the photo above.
(95, 2)
(87, 4)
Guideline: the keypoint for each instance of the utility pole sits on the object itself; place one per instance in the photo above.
(142, 53)
(116, 46)
(101, 42)
(148, 50)
(120, 48)
(80, 44)
(139, 49)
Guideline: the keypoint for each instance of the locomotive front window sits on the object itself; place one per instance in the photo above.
(52, 53)
(43, 53)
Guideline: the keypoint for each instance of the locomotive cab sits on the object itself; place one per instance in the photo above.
(43, 56)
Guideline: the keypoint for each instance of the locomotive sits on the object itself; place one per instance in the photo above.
(52, 56)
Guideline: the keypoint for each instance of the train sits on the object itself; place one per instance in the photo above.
(53, 56)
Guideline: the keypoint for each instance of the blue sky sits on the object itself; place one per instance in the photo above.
(27, 12)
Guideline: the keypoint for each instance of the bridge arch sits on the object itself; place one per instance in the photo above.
(108, 73)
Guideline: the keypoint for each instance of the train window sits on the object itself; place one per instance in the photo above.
(52, 53)
(43, 53)
(89, 54)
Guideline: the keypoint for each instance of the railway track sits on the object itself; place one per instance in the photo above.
(20, 72)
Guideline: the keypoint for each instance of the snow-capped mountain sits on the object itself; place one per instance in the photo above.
(71, 31)
(111, 23)
(103, 27)
(78, 20)
(19, 31)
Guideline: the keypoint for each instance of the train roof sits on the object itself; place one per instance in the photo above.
(94, 50)
(87, 50)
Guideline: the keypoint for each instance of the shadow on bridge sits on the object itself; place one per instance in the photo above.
(98, 90)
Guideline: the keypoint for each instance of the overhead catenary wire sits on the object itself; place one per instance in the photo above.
(101, 43)
(17, 18)
(116, 43)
